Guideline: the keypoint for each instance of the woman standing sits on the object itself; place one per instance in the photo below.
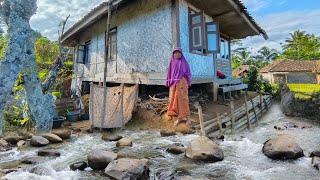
(179, 80)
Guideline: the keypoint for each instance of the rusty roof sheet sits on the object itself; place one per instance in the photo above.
(293, 66)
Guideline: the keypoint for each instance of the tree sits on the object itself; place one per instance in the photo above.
(301, 46)
(267, 54)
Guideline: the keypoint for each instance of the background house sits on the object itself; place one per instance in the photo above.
(292, 71)
(242, 71)
(144, 32)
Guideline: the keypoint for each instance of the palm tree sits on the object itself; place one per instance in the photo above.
(267, 54)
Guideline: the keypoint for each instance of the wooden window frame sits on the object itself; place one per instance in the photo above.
(86, 52)
(217, 33)
(112, 31)
(192, 13)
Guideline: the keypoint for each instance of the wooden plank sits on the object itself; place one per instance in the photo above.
(219, 123)
(234, 88)
(247, 112)
(233, 118)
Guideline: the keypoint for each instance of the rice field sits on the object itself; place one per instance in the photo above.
(304, 91)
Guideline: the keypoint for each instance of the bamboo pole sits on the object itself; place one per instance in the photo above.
(219, 123)
(203, 132)
(103, 113)
(247, 112)
(260, 100)
(254, 110)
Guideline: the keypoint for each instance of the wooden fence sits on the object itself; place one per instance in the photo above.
(238, 120)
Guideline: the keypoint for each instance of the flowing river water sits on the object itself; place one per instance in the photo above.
(243, 155)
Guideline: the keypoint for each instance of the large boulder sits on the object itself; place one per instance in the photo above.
(125, 168)
(62, 133)
(99, 159)
(316, 162)
(78, 166)
(124, 142)
(282, 147)
(38, 141)
(204, 149)
(52, 138)
(41, 170)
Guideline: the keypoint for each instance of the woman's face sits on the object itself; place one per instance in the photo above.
(177, 55)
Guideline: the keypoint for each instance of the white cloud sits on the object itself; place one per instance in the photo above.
(279, 25)
(51, 12)
(255, 5)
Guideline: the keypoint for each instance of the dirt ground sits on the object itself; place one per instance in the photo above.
(147, 120)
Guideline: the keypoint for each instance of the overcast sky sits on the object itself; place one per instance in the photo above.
(277, 17)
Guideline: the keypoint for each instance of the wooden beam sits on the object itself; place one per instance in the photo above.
(175, 23)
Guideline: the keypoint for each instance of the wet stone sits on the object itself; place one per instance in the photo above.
(128, 169)
(21, 143)
(204, 149)
(40, 170)
(316, 162)
(176, 148)
(4, 145)
(52, 138)
(183, 128)
(282, 147)
(78, 166)
(315, 153)
(111, 137)
(166, 133)
(124, 142)
(38, 141)
(12, 139)
(32, 160)
(49, 153)
(62, 133)
(99, 159)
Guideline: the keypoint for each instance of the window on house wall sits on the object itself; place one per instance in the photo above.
(203, 37)
(112, 45)
(84, 53)
(224, 49)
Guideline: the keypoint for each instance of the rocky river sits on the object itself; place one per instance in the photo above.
(243, 155)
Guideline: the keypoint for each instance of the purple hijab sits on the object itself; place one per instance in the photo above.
(178, 69)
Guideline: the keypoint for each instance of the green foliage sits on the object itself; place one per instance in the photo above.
(3, 45)
(301, 46)
(252, 80)
(46, 52)
(304, 91)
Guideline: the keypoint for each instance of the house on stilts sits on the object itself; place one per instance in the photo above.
(143, 33)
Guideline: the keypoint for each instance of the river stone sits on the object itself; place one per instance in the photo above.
(111, 137)
(25, 135)
(38, 141)
(48, 153)
(166, 133)
(183, 128)
(124, 142)
(176, 148)
(78, 166)
(315, 153)
(204, 149)
(62, 133)
(4, 145)
(32, 160)
(52, 138)
(282, 147)
(21, 143)
(12, 139)
(316, 162)
(125, 168)
(99, 159)
(41, 170)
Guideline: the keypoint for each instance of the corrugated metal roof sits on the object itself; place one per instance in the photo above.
(102, 11)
